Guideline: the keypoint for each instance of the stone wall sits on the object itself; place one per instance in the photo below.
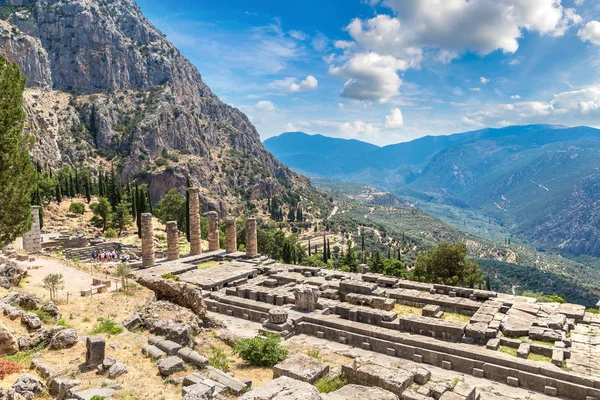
(32, 239)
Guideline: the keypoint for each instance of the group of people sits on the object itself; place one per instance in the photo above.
(108, 256)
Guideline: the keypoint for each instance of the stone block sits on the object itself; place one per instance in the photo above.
(478, 373)
(550, 390)
(170, 365)
(512, 381)
(306, 298)
(430, 310)
(301, 367)
(394, 380)
(447, 365)
(278, 315)
(168, 346)
(523, 350)
(198, 391)
(283, 387)
(153, 352)
(418, 358)
(558, 357)
(95, 348)
(390, 351)
(465, 390)
(493, 344)
(422, 376)
(359, 392)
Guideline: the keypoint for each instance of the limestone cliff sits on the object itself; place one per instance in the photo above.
(106, 88)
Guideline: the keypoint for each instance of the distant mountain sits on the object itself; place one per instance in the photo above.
(542, 180)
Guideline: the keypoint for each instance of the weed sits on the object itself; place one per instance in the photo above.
(64, 323)
(456, 380)
(44, 316)
(106, 326)
(219, 359)
(170, 276)
(327, 384)
(314, 353)
(25, 357)
(508, 350)
(86, 319)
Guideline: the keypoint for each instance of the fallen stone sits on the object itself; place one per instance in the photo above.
(358, 392)
(198, 391)
(283, 388)
(301, 367)
(465, 390)
(170, 365)
(8, 341)
(523, 350)
(393, 379)
(192, 357)
(95, 348)
(88, 394)
(116, 370)
(108, 362)
(235, 386)
(64, 339)
(168, 346)
(28, 384)
(51, 309)
(59, 387)
(132, 322)
(153, 352)
(31, 321)
(422, 376)
(278, 315)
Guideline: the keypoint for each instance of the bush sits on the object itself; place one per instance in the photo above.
(161, 162)
(593, 311)
(328, 384)
(8, 367)
(219, 359)
(106, 326)
(77, 208)
(262, 350)
(110, 233)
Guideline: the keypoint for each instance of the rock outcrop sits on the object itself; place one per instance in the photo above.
(8, 341)
(104, 81)
(175, 292)
(11, 273)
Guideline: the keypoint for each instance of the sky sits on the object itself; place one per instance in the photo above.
(389, 71)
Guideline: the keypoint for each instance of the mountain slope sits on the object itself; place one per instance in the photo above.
(540, 180)
(106, 88)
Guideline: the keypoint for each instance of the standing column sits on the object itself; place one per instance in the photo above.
(195, 239)
(231, 235)
(32, 239)
(251, 240)
(172, 241)
(147, 241)
(213, 231)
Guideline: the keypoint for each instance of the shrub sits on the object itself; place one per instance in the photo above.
(593, 311)
(43, 316)
(161, 162)
(106, 326)
(219, 359)
(64, 323)
(262, 350)
(327, 384)
(314, 353)
(77, 208)
(8, 367)
(110, 233)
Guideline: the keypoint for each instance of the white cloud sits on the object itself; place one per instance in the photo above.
(320, 42)
(515, 97)
(483, 80)
(309, 83)
(265, 106)
(568, 108)
(394, 120)
(445, 29)
(590, 33)
(341, 105)
(475, 89)
(298, 35)
(370, 76)
(358, 128)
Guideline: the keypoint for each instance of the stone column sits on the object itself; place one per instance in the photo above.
(147, 241)
(172, 241)
(306, 298)
(32, 240)
(231, 235)
(195, 239)
(213, 231)
(251, 240)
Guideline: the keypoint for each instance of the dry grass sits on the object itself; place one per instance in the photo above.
(450, 316)
(539, 357)
(209, 264)
(405, 310)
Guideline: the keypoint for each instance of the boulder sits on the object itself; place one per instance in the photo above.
(108, 362)
(8, 341)
(11, 274)
(132, 322)
(35, 339)
(94, 356)
(31, 321)
(175, 292)
(27, 384)
(283, 388)
(301, 367)
(64, 339)
(51, 309)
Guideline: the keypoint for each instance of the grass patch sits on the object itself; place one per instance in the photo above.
(508, 350)
(314, 353)
(451, 316)
(455, 381)
(107, 326)
(170, 276)
(209, 264)
(328, 384)
(405, 310)
(64, 323)
(24, 357)
(539, 357)
(44, 316)
(542, 343)
(219, 359)
(593, 311)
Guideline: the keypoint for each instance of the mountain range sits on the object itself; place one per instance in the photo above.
(542, 181)
(106, 89)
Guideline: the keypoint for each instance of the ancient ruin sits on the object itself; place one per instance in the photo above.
(251, 238)
(213, 230)
(195, 235)
(32, 239)
(172, 241)
(230, 233)
(147, 241)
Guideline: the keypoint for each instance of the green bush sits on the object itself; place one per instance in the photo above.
(106, 326)
(110, 233)
(261, 351)
(219, 359)
(64, 323)
(77, 208)
(161, 162)
(327, 384)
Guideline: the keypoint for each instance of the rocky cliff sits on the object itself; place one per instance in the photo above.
(106, 88)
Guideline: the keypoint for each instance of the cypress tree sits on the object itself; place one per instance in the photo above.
(187, 209)
(324, 249)
(389, 253)
(100, 184)
(363, 241)
(58, 193)
(17, 172)
(309, 248)
(88, 190)
(328, 250)
(77, 188)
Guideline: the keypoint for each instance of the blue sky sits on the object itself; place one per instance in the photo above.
(386, 71)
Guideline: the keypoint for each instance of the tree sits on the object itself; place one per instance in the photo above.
(88, 190)
(448, 265)
(172, 207)
(121, 218)
(54, 283)
(17, 172)
(123, 270)
(350, 260)
(291, 215)
(102, 211)
(376, 264)
(324, 249)
(299, 216)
